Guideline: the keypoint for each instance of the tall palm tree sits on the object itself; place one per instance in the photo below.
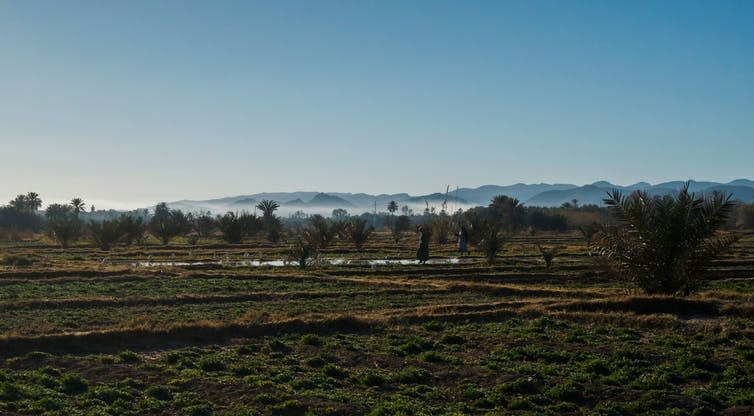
(78, 205)
(268, 207)
(19, 203)
(665, 243)
(392, 207)
(33, 202)
(509, 211)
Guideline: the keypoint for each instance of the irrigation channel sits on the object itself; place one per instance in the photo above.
(284, 263)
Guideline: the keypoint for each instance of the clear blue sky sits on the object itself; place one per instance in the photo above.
(141, 101)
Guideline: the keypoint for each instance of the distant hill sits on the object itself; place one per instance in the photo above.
(484, 194)
(246, 201)
(325, 200)
(295, 203)
(542, 194)
(596, 192)
(587, 194)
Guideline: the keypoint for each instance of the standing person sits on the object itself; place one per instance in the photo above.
(463, 240)
(422, 254)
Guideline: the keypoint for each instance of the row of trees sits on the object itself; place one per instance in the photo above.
(63, 223)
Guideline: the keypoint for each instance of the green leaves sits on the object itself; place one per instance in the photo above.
(665, 243)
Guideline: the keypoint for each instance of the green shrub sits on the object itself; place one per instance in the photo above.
(289, 407)
(566, 391)
(311, 339)
(109, 394)
(521, 385)
(452, 339)
(520, 403)
(212, 364)
(434, 326)
(265, 398)
(73, 384)
(316, 362)
(332, 370)
(371, 378)
(596, 366)
(160, 393)
(10, 392)
(411, 375)
(17, 261)
(276, 345)
(48, 404)
(433, 357)
(204, 409)
(129, 357)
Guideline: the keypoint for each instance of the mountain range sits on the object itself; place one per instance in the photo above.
(542, 194)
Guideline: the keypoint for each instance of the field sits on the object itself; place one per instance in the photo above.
(195, 330)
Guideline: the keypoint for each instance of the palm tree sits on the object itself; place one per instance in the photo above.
(106, 233)
(392, 207)
(358, 232)
(509, 211)
(78, 205)
(62, 223)
(666, 243)
(33, 202)
(19, 203)
(268, 207)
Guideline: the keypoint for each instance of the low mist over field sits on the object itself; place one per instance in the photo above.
(543, 195)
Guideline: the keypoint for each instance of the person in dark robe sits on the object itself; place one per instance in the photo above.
(422, 254)
(463, 240)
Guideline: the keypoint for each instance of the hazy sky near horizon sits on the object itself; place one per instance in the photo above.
(133, 102)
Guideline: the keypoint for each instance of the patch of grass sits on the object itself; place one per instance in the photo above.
(73, 384)
(332, 370)
(17, 261)
(567, 391)
(128, 357)
(411, 375)
(311, 339)
(212, 363)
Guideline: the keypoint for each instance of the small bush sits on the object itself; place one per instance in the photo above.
(434, 326)
(160, 393)
(567, 391)
(522, 385)
(10, 392)
(73, 384)
(265, 398)
(17, 261)
(520, 404)
(289, 407)
(212, 364)
(311, 339)
(249, 349)
(412, 375)
(371, 378)
(433, 357)
(332, 370)
(452, 339)
(129, 357)
(198, 410)
(110, 394)
(596, 366)
(316, 362)
(276, 345)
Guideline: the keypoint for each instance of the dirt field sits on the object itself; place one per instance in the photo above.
(200, 330)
